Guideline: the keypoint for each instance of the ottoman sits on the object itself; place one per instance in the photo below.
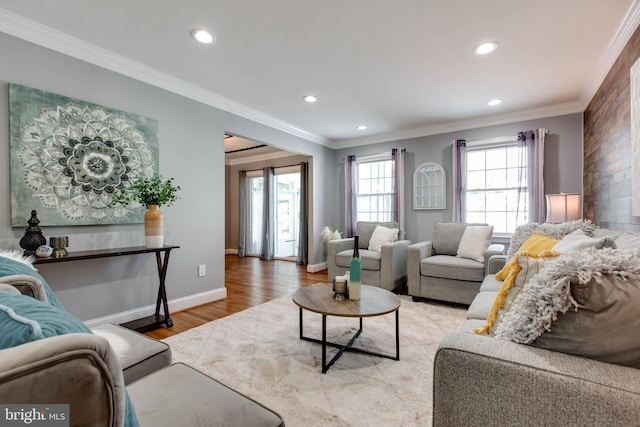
(139, 355)
(182, 396)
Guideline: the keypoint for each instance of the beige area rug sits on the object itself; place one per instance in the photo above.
(258, 353)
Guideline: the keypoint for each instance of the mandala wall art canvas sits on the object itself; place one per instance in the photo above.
(69, 158)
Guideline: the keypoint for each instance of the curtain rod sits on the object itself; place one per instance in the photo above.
(377, 154)
(497, 139)
(275, 167)
(245, 149)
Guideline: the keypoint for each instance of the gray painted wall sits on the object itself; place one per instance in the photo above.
(191, 150)
(563, 164)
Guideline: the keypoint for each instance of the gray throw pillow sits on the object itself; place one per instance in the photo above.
(583, 303)
(447, 236)
(628, 240)
(606, 325)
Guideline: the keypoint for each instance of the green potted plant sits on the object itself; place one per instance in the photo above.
(151, 192)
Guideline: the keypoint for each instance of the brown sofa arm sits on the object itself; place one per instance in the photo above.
(76, 369)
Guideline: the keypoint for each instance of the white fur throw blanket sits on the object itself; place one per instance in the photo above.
(17, 256)
(549, 292)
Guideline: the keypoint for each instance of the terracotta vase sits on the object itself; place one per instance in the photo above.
(153, 227)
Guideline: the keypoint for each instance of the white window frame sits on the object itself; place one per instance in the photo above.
(374, 214)
(486, 145)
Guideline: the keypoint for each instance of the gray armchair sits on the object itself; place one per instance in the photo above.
(435, 272)
(138, 355)
(87, 372)
(386, 269)
(83, 371)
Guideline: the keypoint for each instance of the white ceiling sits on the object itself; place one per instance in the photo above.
(404, 68)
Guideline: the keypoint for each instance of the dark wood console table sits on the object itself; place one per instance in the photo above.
(146, 323)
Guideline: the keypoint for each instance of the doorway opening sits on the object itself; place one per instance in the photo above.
(245, 163)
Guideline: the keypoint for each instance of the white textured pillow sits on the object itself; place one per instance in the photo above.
(382, 235)
(475, 242)
(578, 241)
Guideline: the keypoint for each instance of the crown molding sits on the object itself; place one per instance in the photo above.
(50, 38)
(533, 114)
(259, 158)
(621, 37)
(47, 37)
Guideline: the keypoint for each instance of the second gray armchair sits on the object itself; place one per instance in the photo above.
(451, 266)
(386, 268)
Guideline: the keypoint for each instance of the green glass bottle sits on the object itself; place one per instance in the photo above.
(355, 271)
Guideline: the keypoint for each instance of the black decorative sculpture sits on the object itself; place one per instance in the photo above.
(33, 237)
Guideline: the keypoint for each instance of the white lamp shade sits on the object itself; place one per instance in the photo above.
(562, 207)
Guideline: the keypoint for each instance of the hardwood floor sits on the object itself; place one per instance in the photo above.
(249, 282)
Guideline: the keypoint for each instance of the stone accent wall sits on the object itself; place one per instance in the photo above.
(607, 147)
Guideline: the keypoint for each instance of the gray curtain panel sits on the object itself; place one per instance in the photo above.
(303, 238)
(459, 147)
(267, 250)
(398, 189)
(242, 220)
(532, 146)
(351, 210)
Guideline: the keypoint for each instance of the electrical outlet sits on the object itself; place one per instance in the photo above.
(202, 270)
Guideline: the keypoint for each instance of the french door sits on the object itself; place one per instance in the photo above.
(286, 212)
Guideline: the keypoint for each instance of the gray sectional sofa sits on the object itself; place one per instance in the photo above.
(110, 376)
(482, 380)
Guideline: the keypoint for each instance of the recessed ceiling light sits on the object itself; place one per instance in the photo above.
(202, 36)
(362, 127)
(494, 102)
(310, 98)
(486, 48)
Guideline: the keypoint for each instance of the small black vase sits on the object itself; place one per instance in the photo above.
(33, 237)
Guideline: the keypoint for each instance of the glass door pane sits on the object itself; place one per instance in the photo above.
(254, 227)
(287, 214)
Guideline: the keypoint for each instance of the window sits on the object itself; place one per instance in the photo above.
(496, 187)
(375, 178)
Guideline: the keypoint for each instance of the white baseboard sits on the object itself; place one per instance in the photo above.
(316, 267)
(231, 252)
(177, 304)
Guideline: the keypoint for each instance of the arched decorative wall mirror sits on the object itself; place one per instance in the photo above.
(429, 186)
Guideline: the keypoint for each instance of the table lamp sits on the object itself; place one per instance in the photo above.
(563, 207)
